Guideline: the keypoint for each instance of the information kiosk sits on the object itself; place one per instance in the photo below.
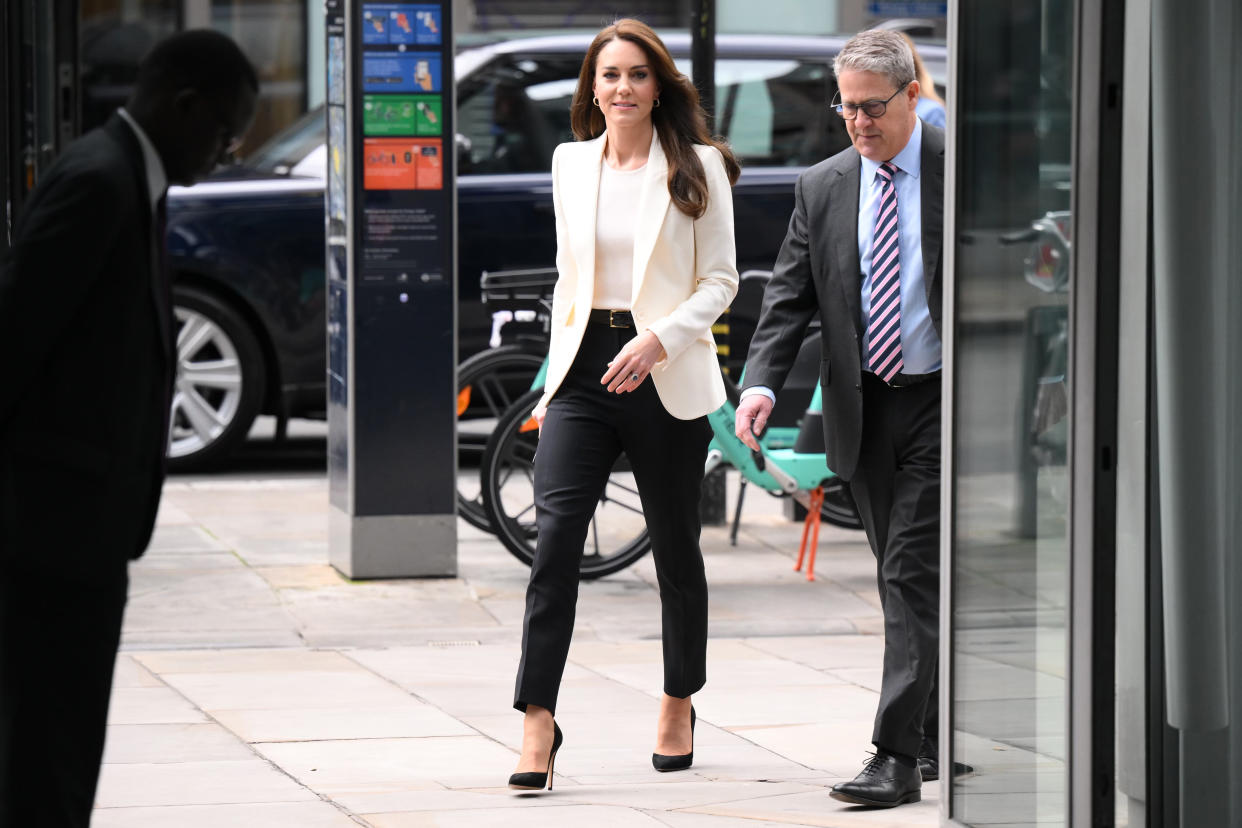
(392, 297)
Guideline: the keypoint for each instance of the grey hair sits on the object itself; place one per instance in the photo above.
(882, 51)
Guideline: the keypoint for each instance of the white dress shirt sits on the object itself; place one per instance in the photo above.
(157, 179)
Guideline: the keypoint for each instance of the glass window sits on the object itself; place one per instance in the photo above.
(114, 35)
(775, 113)
(1009, 556)
(272, 33)
(291, 146)
(513, 112)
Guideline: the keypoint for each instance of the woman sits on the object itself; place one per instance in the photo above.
(930, 106)
(646, 262)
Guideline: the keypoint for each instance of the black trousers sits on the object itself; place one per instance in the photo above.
(58, 644)
(586, 430)
(897, 489)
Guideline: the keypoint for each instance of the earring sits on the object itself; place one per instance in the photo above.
(595, 101)
(656, 105)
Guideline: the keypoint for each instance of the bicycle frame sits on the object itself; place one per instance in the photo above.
(779, 469)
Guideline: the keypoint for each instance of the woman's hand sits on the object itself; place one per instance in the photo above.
(633, 363)
(539, 413)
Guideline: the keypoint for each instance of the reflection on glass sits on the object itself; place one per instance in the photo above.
(272, 33)
(116, 34)
(1010, 570)
(113, 37)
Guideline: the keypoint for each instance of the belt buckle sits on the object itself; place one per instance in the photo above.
(620, 319)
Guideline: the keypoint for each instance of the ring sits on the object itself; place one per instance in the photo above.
(633, 377)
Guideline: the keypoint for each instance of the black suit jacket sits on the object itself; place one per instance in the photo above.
(818, 270)
(85, 330)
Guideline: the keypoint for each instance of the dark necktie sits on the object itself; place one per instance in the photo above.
(884, 325)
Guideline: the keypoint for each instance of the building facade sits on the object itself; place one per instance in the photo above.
(1091, 636)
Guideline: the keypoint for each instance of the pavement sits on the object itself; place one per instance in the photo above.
(258, 687)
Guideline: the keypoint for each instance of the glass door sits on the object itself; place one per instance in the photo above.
(39, 87)
(1008, 522)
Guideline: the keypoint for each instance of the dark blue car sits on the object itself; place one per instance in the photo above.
(247, 246)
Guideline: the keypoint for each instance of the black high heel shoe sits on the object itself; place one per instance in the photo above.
(664, 763)
(533, 780)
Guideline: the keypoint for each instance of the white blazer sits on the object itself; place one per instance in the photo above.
(685, 272)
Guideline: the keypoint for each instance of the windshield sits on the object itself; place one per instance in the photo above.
(285, 149)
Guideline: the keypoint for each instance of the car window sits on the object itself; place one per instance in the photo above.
(774, 113)
(514, 111)
(285, 150)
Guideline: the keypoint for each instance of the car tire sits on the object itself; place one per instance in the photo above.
(220, 381)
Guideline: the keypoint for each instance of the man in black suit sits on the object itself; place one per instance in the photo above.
(87, 331)
(863, 251)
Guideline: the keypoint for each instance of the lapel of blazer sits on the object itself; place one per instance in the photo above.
(931, 192)
(653, 204)
(124, 136)
(580, 195)
(842, 220)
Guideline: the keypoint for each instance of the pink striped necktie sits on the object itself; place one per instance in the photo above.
(884, 326)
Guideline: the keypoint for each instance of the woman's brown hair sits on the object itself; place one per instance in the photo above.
(927, 86)
(679, 119)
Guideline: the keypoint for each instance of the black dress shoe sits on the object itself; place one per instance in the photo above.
(929, 767)
(665, 763)
(885, 782)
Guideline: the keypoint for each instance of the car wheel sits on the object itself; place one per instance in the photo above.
(219, 384)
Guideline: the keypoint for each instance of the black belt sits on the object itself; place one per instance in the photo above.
(906, 380)
(612, 318)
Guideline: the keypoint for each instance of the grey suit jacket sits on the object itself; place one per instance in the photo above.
(818, 270)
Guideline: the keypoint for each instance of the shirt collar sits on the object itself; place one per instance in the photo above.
(157, 179)
(909, 160)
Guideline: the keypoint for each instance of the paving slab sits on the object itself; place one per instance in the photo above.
(598, 816)
(129, 673)
(243, 781)
(257, 686)
(172, 743)
(816, 808)
(385, 765)
(302, 690)
(151, 705)
(412, 719)
(250, 815)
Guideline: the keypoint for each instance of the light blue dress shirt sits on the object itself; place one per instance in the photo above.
(930, 111)
(920, 344)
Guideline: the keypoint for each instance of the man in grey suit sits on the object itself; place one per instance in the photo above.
(863, 251)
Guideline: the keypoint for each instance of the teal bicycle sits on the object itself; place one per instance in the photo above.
(618, 535)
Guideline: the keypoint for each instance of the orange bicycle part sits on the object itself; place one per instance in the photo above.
(811, 527)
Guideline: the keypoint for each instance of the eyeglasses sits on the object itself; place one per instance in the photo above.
(230, 143)
(874, 108)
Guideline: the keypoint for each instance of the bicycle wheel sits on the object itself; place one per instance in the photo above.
(838, 508)
(618, 534)
(487, 384)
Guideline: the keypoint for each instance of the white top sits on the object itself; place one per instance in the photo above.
(616, 218)
(157, 181)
